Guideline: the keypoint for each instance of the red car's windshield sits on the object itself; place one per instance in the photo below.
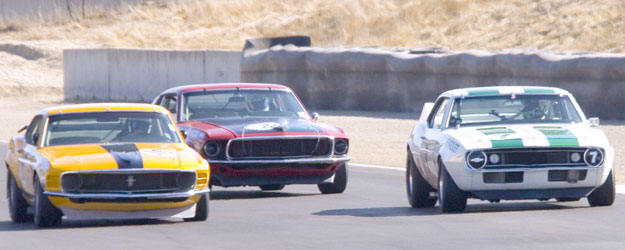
(240, 103)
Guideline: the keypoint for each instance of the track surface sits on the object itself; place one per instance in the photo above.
(372, 214)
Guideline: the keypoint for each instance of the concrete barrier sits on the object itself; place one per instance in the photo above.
(140, 75)
(10, 9)
(382, 80)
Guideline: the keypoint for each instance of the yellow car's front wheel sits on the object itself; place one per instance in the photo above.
(45, 214)
(201, 209)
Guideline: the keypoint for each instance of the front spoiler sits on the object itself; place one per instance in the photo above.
(283, 161)
(113, 196)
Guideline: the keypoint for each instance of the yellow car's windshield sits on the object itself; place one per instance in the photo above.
(110, 127)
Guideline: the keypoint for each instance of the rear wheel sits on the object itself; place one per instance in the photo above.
(273, 187)
(201, 210)
(450, 197)
(338, 182)
(417, 188)
(603, 195)
(45, 214)
(17, 203)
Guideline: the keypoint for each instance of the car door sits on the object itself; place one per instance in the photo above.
(27, 160)
(430, 138)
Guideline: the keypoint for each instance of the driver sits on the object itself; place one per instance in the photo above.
(532, 110)
(137, 131)
(258, 102)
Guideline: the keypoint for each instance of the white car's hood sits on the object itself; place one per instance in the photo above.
(529, 135)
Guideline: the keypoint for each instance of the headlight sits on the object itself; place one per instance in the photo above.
(593, 157)
(185, 180)
(576, 157)
(494, 159)
(70, 183)
(340, 147)
(476, 159)
(211, 149)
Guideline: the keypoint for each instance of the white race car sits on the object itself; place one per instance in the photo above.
(507, 143)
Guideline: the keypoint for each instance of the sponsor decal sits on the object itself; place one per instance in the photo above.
(263, 126)
(452, 145)
(558, 136)
(126, 155)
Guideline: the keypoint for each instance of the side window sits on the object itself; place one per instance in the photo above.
(438, 113)
(170, 102)
(32, 133)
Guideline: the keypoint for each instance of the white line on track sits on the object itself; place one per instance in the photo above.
(376, 166)
(619, 188)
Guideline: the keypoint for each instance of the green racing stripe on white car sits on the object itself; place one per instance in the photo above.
(558, 136)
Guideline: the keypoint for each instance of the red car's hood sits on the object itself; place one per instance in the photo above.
(228, 128)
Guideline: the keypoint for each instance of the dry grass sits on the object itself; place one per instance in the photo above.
(593, 25)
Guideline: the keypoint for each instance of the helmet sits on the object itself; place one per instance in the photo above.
(258, 102)
(139, 126)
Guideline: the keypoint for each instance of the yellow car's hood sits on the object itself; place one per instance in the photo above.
(120, 156)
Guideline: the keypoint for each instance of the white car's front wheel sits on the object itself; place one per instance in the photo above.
(450, 197)
(416, 187)
(605, 194)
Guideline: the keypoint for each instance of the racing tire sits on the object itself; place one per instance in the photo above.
(201, 210)
(451, 199)
(338, 183)
(45, 214)
(417, 188)
(605, 194)
(17, 204)
(272, 187)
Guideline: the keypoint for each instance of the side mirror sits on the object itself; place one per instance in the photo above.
(593, 121)
(315, 116)
(22, 129)
(184, 134)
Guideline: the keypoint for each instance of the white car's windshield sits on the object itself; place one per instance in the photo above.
(202, 105)
(493, 110)
(110, 127)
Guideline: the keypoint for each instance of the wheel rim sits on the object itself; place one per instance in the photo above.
(410, 181)
(441, 196)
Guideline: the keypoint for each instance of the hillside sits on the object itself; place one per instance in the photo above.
(593, 25)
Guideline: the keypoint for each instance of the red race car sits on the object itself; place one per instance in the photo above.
(259, 135)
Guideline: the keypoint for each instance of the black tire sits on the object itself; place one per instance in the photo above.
(17, 203)
(45, 214)
(272, 187)
(201, 210)
(605, 194)
(417, 188)
(451, 198)
(338, 183)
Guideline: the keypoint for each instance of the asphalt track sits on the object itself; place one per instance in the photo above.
(372, 214)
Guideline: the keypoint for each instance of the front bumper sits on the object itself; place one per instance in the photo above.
(120, 197)
(315, 160)
(274, 171)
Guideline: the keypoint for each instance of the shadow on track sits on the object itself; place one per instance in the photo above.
(252, 194)
(69, 224)
(471, 208)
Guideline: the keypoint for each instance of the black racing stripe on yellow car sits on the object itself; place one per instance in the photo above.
(126, 155)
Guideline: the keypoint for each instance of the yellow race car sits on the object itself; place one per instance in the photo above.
(104, 161)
